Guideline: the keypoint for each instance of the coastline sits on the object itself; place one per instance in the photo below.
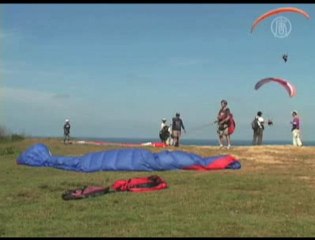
(191, 142)
(201, 143)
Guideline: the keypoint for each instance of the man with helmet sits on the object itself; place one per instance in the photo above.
(223, 121)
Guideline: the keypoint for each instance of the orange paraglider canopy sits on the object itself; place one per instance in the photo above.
(277, 11)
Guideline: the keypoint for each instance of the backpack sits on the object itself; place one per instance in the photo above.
(232, 125)
(254, 124)
(164, 133)
(176, 124)
(143, 184)
(84, 192)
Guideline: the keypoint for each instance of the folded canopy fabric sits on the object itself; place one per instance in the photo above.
(133, 159)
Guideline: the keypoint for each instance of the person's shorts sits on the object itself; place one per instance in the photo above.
(176, 134)
(223, 131)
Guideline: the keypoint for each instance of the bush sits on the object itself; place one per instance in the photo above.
(3, 132)
(5, 136)
(17, 137)
(7, 151)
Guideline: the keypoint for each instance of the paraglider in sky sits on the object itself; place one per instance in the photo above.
(277, 11)
(284, 83)
(285, 57)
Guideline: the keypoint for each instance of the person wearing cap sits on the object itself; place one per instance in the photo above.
(177, 126)
(66, 131)
(164, 133)
(163, 123)
(296, 129)
(223, 121)
(258, 132)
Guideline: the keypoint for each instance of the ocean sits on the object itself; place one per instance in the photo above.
(197, 142)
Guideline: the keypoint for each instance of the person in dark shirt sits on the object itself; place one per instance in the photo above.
(66, 131)
(177, 126)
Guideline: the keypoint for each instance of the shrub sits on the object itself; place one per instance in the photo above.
(17, 137)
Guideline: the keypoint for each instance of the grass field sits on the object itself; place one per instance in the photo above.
(272, 195)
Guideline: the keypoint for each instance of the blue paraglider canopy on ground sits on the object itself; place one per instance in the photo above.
(130, 159)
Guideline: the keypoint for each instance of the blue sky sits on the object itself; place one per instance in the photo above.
(116, 69)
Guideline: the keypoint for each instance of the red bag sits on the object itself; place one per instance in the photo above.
(232, 125)
(144, 184)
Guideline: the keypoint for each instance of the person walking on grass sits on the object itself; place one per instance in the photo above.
(66, 131)
(258, 128)
(296, 138)
(177, 126)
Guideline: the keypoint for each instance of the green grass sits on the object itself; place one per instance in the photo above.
(259, 200)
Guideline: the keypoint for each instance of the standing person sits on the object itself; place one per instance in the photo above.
(296, 129)
(66, 131)
(177, 126)
(223, 120)
(258, 128)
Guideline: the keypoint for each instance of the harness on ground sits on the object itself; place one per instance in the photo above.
(139, 184)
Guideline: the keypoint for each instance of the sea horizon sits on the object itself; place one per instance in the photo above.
(184, 141)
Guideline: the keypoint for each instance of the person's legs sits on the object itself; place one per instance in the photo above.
(294, 138)
(178, 138)
(224, 135)
(254, 138)
(68, 138)
(260, 136)
(171, 140)
(228, 141)
(298, 140)
(174, 138)
(176, 135)
(220, 137)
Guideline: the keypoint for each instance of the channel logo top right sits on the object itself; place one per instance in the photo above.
(281, 27)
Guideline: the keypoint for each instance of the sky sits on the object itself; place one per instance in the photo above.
(115, 70)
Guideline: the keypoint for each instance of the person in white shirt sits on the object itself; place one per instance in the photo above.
(259, 130)
(164, 133)
(163, 123)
